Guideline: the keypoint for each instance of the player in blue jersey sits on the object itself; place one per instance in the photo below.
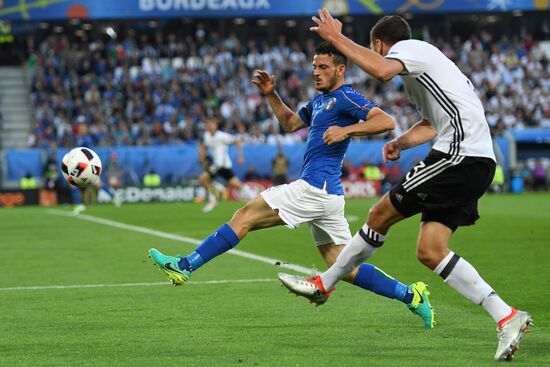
(317, 198)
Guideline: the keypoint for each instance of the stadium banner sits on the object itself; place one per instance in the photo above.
(249, 190)
(135, 194)
(11, 198)
(155, 9)
(194, 193)
(357, 188)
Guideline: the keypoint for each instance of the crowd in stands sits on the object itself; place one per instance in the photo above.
(141, 90)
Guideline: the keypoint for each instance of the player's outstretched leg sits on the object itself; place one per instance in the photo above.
(179, 269)
(370, 278)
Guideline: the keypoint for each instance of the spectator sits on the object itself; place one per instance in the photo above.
(114, 172)
(51, 172)
(526, 173)
(280, 167)
(539, 176)
(28, 182)
(497, 185)
(152, 179)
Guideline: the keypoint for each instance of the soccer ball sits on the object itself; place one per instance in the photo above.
(81, 167)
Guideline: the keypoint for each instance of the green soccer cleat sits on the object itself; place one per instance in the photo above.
(420, 304)
(169, 265)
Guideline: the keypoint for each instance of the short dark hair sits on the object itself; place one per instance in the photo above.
(391, 29)
(327, 48)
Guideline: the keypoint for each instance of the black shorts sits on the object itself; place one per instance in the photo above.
(224, 173)
(444, 188)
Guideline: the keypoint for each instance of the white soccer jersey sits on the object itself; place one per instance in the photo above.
(217, 145)
(445, 97)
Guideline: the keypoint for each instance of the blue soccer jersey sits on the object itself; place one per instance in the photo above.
(322, 162)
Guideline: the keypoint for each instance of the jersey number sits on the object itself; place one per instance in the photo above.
(416, 169)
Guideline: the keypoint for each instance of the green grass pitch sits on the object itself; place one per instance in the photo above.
(122, 312)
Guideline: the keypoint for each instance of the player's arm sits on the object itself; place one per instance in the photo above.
(377, 122)
(419, 133)
(290, 121)
(371, 62)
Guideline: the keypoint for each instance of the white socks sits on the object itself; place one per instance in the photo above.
(361, 247)
(462, 277)
(496, 307)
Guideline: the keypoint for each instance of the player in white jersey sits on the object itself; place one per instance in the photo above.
(444, 187)
(217, 164)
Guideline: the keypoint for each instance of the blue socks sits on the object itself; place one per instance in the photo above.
(371, 278)
(402, 293)
(222, 240)
(75, 194)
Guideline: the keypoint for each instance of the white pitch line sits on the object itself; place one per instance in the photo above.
(170, 236)
(205, 282)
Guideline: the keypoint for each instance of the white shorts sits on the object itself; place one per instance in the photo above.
(299, 202)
